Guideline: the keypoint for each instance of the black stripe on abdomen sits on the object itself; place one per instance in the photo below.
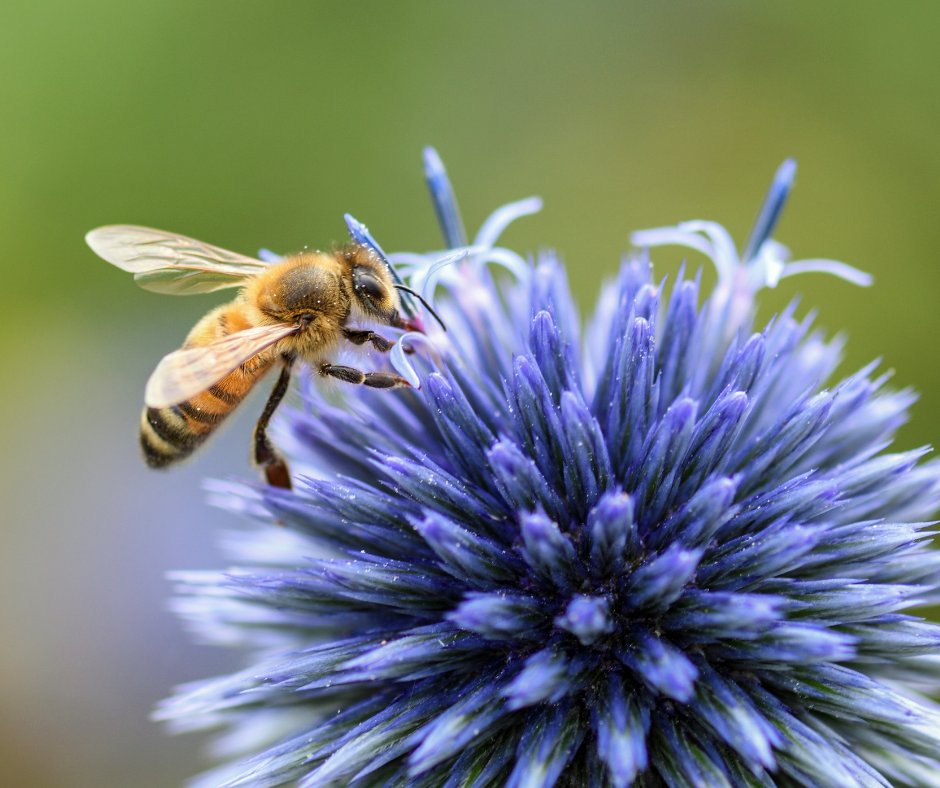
(223, 396)
(165, 436)
(202, 416)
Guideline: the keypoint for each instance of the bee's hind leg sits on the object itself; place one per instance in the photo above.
(375, 380)
(267, 457)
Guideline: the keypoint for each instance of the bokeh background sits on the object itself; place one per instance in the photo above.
(259, 124)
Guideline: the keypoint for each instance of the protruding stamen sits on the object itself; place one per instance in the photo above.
(834, 267)
(502, 217)
(764, 262)
(445, 203)
(399, 361)
(770, 210)
(430, 275)
(717, 246)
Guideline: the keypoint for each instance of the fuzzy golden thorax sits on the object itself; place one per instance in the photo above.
(323, 292)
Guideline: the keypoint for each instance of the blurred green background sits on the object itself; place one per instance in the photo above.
(260, 124)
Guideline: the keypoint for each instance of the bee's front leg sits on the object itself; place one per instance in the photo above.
(380, 343)
(267, 457)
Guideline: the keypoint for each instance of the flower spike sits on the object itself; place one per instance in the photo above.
(770, 210)
(443, 199)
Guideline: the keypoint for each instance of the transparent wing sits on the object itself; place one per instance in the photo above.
(170, 263)
(185, 373)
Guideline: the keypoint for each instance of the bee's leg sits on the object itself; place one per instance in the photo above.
(380, 343)
(267, 457)
(375, 380)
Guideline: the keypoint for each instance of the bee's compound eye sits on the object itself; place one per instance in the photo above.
(367, 283)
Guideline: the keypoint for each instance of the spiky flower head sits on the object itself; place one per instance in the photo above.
(663, 554)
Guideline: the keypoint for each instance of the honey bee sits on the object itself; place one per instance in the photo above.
(295, 310)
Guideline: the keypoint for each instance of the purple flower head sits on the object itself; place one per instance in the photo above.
(665, 551)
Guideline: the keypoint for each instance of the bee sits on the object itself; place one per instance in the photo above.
(298, 309)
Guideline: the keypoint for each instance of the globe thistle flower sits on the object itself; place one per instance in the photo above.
(666, 553)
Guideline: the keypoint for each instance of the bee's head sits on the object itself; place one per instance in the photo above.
(373, 293)
(376, 294)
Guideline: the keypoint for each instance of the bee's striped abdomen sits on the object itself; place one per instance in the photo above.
(168, 435)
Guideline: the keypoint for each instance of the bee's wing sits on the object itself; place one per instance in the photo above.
(170, 263)
(183, 374)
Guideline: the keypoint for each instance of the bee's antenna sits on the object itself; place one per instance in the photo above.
(427, 306)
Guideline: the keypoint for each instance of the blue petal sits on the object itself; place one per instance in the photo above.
(425, 651)
(378, 740)
(783, 443)
(659, 582)
(539, 427)
(711, 442)
(654, 477)
(438, 490)
(675, 356)
(474, 558)
(471, 718)
(612, 535)
(553, 355)
(732, 715)
(337, 527)
(661, 665)
(746, 561)
(790, 643)
(501, 616)
(549, 292)
(481, 766)
(443, 199)
(740, 367)
(705, 616)
(549, 742)
(550, 552)
(548, 675)
(625, 409)
(681, 759)
(621, 721)
(467, 436)
(588, 618)
(695, 522)
(521, 483)
(770, 210)
(587, 470)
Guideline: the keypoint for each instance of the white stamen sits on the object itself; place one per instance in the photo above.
(501, 218)
(834, 267)
(400, 361)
